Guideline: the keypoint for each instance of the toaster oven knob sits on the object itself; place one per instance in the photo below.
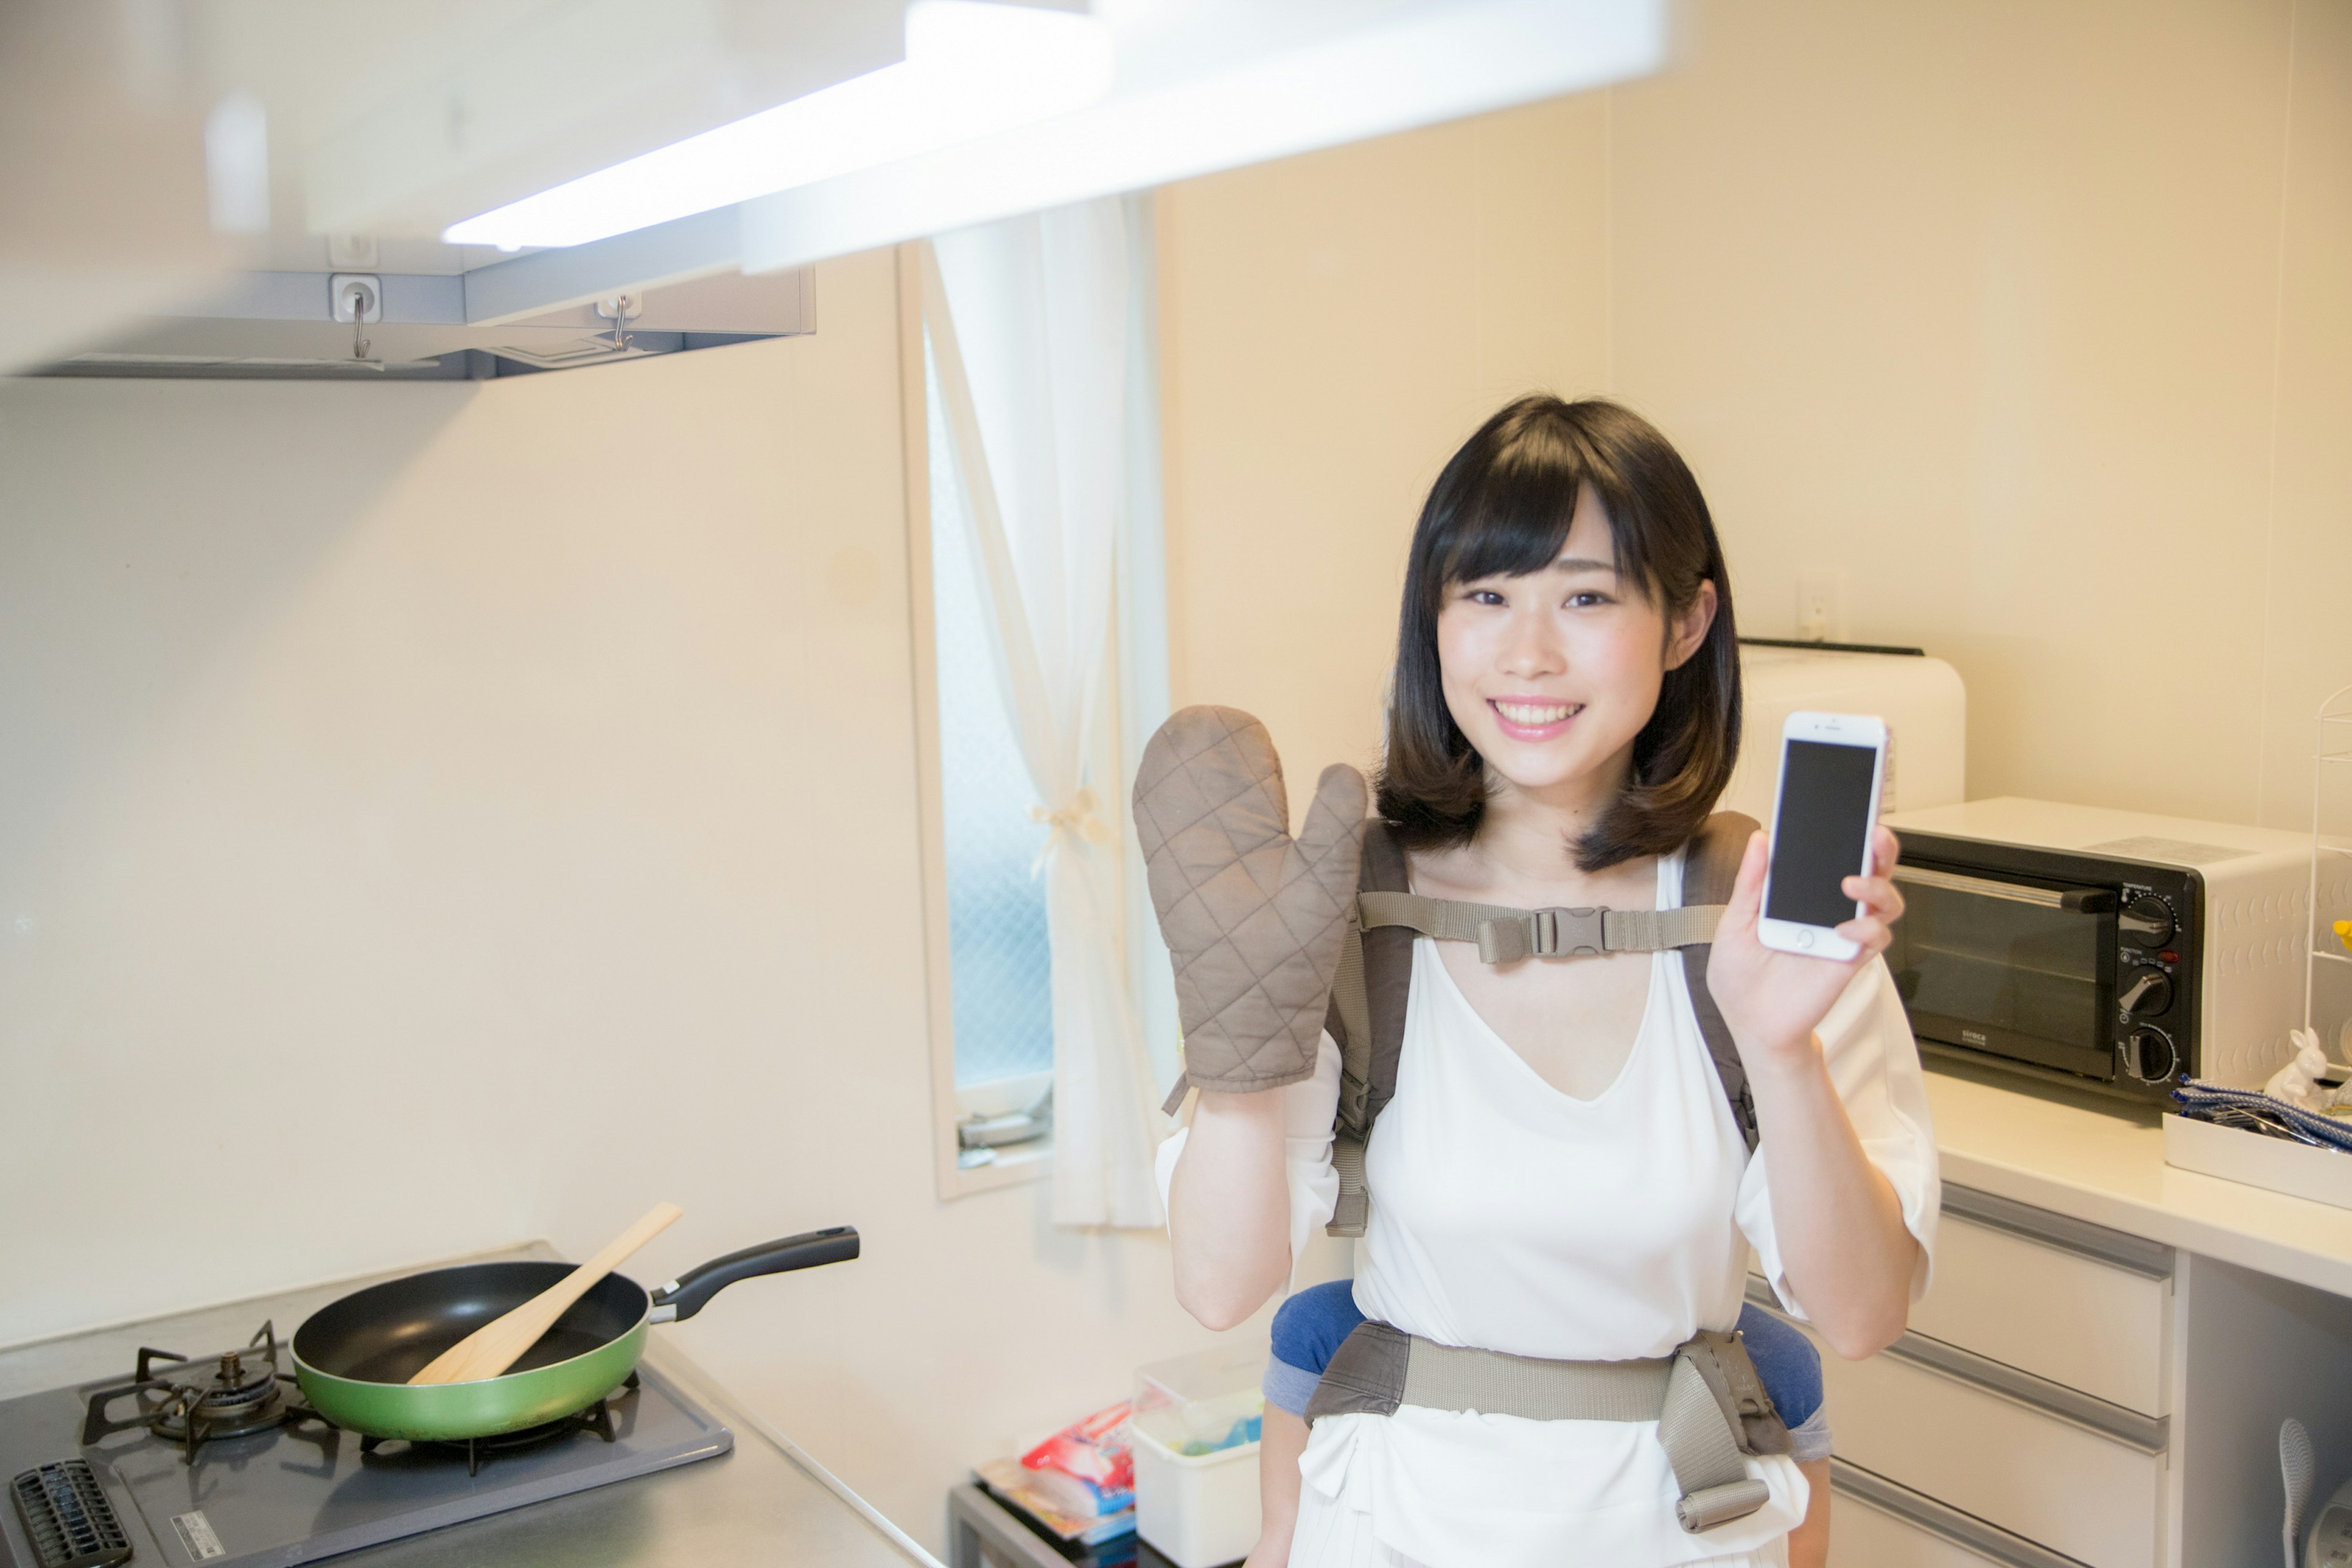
(2148, 1055)
(2144, 993)
(2146, 922)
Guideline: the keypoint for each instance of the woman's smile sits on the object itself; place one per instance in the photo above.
(1532, 718)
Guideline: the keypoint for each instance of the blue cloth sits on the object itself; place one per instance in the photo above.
(1309, 1326)
(2253, 1111)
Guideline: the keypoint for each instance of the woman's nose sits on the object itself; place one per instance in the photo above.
(1534, 648)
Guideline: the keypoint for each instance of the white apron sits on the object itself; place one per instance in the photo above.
(1508, 1216)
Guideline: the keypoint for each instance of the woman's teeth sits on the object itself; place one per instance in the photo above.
(1533, 715)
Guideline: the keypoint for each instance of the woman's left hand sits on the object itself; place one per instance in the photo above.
(1773, 1000)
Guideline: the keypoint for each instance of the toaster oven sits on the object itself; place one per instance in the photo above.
(2106, 949)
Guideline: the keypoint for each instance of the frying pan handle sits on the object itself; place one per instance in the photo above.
(685, 1296)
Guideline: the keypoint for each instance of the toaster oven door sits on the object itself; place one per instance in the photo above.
(2010, 968)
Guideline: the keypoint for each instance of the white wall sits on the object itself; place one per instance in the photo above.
(434, 816)
(2033, 319)
(2016, 311)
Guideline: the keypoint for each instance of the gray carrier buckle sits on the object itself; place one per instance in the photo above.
(1717, 1413)
(1542, 933)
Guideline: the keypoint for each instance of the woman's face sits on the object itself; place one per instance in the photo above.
(1551, 675)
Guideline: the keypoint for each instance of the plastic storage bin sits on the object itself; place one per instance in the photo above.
(1198, 1510)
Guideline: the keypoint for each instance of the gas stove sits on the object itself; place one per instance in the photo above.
(215, 1461)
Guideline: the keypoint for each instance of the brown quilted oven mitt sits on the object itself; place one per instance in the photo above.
(1254, 919)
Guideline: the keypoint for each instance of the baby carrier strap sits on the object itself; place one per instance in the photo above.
(1368, 1000)
(1710, 866)
(1367, 1019)
(1707, 1399)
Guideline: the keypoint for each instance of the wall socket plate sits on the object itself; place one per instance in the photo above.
(1821, 605)
(354, 253)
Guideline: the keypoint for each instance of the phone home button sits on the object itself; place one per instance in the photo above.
(1804, 938)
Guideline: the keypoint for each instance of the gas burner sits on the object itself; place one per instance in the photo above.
(196, 1401)
(597, 1418)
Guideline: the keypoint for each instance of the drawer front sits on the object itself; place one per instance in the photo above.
(2093, 1321)
(1876, 1524)
(1862, 1535)
(2081, 1492)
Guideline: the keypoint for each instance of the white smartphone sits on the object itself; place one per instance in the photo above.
(1833, 766)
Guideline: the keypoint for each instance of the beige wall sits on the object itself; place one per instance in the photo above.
(1331, 327)
(2034, 320)
(435, 816)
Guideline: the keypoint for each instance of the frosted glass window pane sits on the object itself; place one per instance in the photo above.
(1001, 970)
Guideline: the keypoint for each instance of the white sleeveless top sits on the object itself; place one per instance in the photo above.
(1508, 1216)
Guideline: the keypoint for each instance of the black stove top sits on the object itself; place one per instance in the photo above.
(216, 1462)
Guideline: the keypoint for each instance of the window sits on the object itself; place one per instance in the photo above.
(1000, 973)
(992, 867)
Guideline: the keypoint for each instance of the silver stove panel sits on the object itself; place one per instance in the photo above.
(297, 1494)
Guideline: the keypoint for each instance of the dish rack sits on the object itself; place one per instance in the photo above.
(2258, 1160)
(2331, 855)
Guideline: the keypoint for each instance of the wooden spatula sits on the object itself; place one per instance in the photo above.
(500, 1343)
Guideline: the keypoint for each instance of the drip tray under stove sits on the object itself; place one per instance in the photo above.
(296, 1493)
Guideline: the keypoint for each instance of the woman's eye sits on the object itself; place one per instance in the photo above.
(1586, 600)
(1483, 596)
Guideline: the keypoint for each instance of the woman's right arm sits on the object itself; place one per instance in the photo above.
(1253, 1180)
(1229, 1208)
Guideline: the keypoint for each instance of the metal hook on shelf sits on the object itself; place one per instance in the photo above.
(361, 299)
(620, 310)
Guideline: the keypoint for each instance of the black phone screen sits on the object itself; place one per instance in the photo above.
(1822, 837)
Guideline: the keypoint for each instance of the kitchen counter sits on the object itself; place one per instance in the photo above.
(2103, 1161)
(765, 1502)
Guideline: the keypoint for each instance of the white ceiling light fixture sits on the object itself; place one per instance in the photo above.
(1205, 85)
(972, 69)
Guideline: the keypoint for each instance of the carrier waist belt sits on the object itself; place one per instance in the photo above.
(1709, 1404)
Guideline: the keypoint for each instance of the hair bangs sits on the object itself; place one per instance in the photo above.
(1517, 520)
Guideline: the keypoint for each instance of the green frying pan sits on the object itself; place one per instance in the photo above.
(353, 1357)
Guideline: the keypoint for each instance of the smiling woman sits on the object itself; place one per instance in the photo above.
(1585, 510)
(1582, 1146)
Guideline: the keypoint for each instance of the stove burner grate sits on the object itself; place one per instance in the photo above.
(68, 1518)
(193, 1403)
(597, 1418)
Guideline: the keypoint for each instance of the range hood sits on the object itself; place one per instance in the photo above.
(650, 148)
(366, 321)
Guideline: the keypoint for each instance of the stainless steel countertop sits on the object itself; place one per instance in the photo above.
(764, 1502)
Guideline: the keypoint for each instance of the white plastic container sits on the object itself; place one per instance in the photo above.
(2323, 1175)
(1197, 1510)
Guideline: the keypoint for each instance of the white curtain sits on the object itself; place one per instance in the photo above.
(1030, 327)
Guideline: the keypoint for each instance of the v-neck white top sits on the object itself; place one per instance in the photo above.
(1509, 1215)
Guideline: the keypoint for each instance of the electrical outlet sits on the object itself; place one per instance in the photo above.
(1821, 605)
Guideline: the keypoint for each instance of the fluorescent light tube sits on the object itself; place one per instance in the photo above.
(971, 69)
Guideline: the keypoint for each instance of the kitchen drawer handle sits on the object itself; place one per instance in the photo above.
(2148, 1434)
(1962, 1530)
(2083, 901)
(2120, 1249)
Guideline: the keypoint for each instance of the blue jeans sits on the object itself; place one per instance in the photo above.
(1309, 1326)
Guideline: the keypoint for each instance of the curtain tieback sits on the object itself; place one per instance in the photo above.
(1074, 820)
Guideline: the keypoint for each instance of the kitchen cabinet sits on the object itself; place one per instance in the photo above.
(1999, 1401)
(2098, 1375)
(2075, 1303)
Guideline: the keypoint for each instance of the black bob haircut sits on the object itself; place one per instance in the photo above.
(1502, 507)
